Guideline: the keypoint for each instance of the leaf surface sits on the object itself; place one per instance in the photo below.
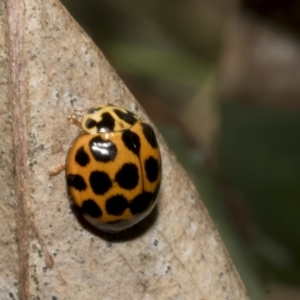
(50, 68)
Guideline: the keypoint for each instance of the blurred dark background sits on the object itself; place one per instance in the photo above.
(221, 80)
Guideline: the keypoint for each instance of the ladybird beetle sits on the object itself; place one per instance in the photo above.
(113, 168)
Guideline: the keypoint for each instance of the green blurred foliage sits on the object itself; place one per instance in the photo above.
(259, 150)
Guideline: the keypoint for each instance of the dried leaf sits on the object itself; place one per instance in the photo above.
(50, 68)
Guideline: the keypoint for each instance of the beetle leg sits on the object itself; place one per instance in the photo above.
(57, 170)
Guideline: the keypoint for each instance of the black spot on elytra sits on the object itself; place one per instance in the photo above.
(127, 177)
(152, 168)
(131, 141)
(102, 150)
(90, 207)
(76, 181)
(127, 116)
(106, 124)
(140, 203)
(149, 135)
(100, 182)
(81, 157)
(116, 205)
